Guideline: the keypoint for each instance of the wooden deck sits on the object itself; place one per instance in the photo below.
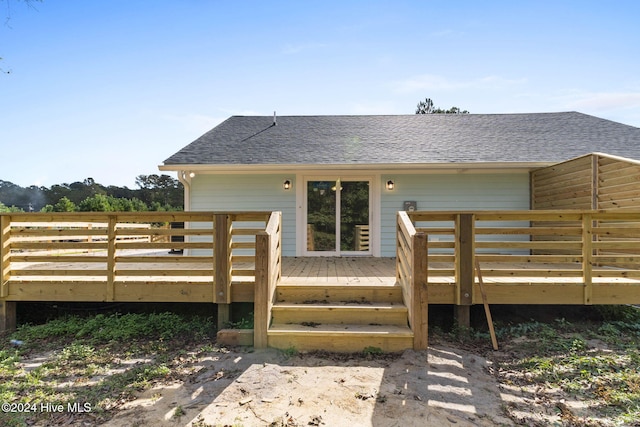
(526, 257)
(564, 285)
(309, 271)
(382, 271)
(338, 271)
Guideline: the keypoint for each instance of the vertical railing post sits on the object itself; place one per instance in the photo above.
(419, 302)
(111, 258)
(222, 269)
(7, 308)
(279, 246)
(465, 273)
(5, 254)
(268, 262)
(465, 258)
(398, 236)
(398, 231)
(587, 257)
(261, 296)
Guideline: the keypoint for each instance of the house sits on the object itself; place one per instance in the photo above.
(339, 180)
(527, 201)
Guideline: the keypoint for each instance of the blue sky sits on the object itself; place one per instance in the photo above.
(110, 89)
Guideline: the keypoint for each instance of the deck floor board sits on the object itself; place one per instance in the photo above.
(343, 270)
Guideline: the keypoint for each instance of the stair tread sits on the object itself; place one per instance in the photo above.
(341, 329)
(338, 293)
(340, 305)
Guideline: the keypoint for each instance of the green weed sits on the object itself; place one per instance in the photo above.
(289, 352)
(372, 351)
(179, 412)
(77, 351)
(244, 323)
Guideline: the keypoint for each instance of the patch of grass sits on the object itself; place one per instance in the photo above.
(82, 359)
(163, 326)
(371, 352)
(179, 412)
(595, 362)
(289, 352)
(244, 323)
(77, 351)
(9, 359)
(101, 329)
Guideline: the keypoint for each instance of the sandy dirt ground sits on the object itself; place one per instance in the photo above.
(439, 387)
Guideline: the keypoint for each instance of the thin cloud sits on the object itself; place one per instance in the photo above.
(602, 101)
(432, 82)
(372, 108)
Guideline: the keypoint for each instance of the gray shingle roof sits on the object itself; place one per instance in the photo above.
(428, 138)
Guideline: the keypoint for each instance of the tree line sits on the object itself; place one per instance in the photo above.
(154, 193)
(427, 107)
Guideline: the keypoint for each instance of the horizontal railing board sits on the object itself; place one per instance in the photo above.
(58, 258)
(179, 259)
(532, 259)
(92, 249)
(531, 231)
(584, 248)
(58, 245)
(165, 272)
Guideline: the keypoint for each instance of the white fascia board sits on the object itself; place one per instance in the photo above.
(478, 167)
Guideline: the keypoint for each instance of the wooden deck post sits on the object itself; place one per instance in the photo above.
(5, 254)
(7, 316)
(587, 257)
(222, 268)
(261, 296)
(111, 258)
(268, 269)
(420, 303)
(7, 308)
(465, 275)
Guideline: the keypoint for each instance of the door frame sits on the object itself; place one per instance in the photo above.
(374, 213)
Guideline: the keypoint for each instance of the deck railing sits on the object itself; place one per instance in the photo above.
(533, 257)
(268, 272)
(411, 275)
(128, 256)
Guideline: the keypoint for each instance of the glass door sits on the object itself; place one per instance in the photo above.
(354, 217)
(321, 216)
(338, 217)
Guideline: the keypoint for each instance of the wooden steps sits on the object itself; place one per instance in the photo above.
(339, 317)
(341, 313)
(340, 338)
(338, 292)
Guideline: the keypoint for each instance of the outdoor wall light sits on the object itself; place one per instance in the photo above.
(192, 174)
(390, 185)
(287, 184)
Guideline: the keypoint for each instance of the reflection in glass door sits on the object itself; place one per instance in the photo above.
(321, 216)
(338, 217)
(354, 216)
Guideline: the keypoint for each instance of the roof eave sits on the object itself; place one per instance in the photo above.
(395, 167)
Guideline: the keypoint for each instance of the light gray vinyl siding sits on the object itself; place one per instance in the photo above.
(248, 193)
(258, 192)
(440, 192)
